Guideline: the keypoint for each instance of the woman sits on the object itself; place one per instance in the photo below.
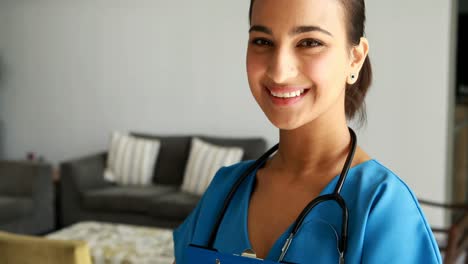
(308, 70)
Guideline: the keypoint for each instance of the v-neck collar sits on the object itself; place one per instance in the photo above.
(275, 250)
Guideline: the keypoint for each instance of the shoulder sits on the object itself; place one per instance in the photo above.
(382, 196)
(380, 187)
(198, 225)
(234, 169)
(377, 181)
(227, 176)
(390, 213)
(213, 199)
(220, 186)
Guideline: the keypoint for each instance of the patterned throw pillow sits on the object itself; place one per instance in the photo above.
(204, 161)
(131, 160)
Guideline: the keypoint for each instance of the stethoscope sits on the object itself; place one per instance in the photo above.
(335, 196)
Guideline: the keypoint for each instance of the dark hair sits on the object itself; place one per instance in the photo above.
(355, 15)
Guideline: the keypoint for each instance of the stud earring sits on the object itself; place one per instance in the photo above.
(353, 76)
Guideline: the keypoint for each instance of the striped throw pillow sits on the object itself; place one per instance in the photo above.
(204, 161)
(131, 160)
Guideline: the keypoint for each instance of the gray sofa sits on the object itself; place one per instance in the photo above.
(26, 197)
(85, 195)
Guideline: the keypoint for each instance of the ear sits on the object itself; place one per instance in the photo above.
(358, 56)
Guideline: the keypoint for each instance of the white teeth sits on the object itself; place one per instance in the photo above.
(287, 95)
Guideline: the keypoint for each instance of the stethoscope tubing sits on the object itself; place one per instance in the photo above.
(233, 190)
(335, 196)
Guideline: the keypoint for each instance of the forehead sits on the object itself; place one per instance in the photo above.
(284, 14)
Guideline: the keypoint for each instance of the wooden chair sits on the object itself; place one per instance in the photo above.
(456, 233)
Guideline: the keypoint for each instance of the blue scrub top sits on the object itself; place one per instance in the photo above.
(386, 223)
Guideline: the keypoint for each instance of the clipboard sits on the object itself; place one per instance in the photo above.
(202, 255)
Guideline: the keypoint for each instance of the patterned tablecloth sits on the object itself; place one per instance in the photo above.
(122, 244)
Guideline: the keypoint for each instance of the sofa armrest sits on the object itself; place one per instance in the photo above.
(76, 177)
(34, 181)
(22, 178)
(85, 173)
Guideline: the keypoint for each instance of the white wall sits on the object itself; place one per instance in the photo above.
(76, 70)
(79, 69)
(408, 107)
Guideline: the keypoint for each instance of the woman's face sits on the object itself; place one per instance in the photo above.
(298, 60)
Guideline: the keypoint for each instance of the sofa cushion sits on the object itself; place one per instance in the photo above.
(131, 160)
(12, 208)
(174, 206)
(204, 161)
(174, 153)
(124, 198)
(172, 158)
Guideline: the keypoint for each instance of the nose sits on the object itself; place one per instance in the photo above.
(282, 66)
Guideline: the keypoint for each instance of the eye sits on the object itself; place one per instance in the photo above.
(261, 42)
(309, 43)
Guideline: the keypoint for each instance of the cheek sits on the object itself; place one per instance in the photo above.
(317, 71)
(325, 71)
(255, 70)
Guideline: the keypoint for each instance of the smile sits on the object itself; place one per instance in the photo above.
(288, 95)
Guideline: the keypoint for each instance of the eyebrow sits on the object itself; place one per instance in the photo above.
(294, 31)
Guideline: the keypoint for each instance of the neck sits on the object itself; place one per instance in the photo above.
(315, 147)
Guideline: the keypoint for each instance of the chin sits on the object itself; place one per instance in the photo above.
(286, 123)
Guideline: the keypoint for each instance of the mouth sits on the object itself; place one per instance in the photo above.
(286, 96)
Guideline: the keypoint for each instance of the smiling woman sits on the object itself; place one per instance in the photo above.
(316, 197)
(330, 51)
